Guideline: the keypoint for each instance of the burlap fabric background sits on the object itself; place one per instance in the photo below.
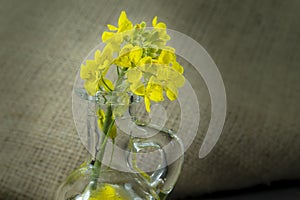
(256, 45)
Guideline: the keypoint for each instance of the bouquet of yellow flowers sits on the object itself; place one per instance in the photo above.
(145, 66)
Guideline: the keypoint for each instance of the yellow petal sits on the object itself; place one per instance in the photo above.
(138, 88)
(161, 25)
(124, 23)
(107, 51)
(126, 49)
(116, 39)
(166, 57)
(104, 69)
(145, 60)
(177, 67)
(87, 72)
(134, 75)
(171, 92)
(107, 54)
(162, 72)
(154, 80)
(154, 21)
(116, 47)
(107, 35)
(123, 18)
(112, 27)
(91, 87)
(91, 65)
(169, 75)
(106, 64)
(97, 56)
(123, 61)
(84, 72)
(164, 36)
(154, 92)
(135, 54)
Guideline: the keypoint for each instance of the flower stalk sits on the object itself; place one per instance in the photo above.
(109, 122)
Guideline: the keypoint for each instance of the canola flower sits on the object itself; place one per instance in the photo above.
(148, 64)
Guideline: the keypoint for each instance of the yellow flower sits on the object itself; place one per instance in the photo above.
(151, 77)
(129, 56)
(161, 29)
(165, 79)
(105, 58)
(132, 56)
(171, 80)
(152, 92)
(168, 57)
(124, 24)
(158, 25)
(89, 73)
(93, 72)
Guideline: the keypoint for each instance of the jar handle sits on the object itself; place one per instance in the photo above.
(166, 173)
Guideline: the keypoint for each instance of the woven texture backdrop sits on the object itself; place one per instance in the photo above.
(256, 45)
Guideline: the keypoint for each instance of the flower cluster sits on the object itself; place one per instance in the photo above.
(147, 66)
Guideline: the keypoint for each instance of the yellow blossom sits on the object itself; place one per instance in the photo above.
(149, 66)
(124, 24)
(161, 29)
(89, 73)
(158, 25)
(129, 56)
(132, 57)
(168, 57)
(152, 92)
(93, 72)
(171, 80)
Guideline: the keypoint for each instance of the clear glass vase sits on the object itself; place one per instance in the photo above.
(140, 163)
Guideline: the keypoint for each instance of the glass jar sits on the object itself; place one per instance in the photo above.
(134, 165)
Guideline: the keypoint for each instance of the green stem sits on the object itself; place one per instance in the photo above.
(107, 126)
(108, 123)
